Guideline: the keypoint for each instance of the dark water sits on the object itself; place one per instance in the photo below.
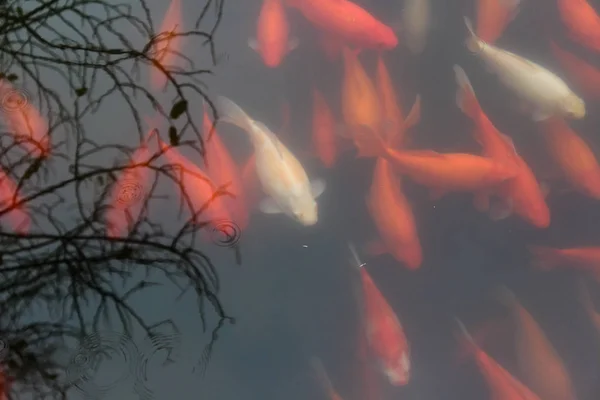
(292, 296)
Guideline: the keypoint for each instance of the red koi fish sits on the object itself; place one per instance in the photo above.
(493, 16)
(167, 46)
(503, 386)
(129, 193)
(222, 170)
(272, 35)
(384, 333)
(323, 130)
(17, 217)
(585, 77)
(24, 120)
(521, 194)
(348, 21)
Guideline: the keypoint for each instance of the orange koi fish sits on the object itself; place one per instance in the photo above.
(450, 172)
(24, 120)
(128, 195)
(581, 21)
(585, 77)
(222, 170)
(323, 130)
(369, 375)
(586, 259)
(167, 47)
(493, 16)
(272, 36)
(521, 194)
(503, 386)
(348, 21)
(384, 332)
(572, 156)
(17, 217)
(323, 378)
(360, 104)
(541, 366)
(392, 213)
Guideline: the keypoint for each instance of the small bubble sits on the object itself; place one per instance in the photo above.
(130, 192)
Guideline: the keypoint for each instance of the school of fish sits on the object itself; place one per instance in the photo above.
(372, 122)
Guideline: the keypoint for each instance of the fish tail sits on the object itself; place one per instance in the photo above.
(544, 258)
(473, 42)
(467, 344)
(233, 114)
(465, 95)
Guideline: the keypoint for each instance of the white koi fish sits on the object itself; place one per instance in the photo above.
(281, 175)
(537, 87)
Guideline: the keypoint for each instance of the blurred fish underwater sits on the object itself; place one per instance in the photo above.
(453, 145)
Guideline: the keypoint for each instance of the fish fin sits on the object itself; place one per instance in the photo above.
(317, 187)
(481, 201)
(292, 44)
(544, 258)
(253, 44)
(233, 114)
(501, 209)
(437, 193)
(376, 248)
(414, 116)
(465, 95)
(269, 206)
(540, 115)
(473, 42)
(467, 345)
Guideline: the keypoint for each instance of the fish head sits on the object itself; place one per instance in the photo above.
(306, 212)
(573, 106)
(397, 369)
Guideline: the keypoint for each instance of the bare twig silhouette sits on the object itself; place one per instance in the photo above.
(60, 61)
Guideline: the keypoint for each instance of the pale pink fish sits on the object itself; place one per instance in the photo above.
(23, 119)
(281, 175)
(167, 47)
(129, 193)
(18, 217)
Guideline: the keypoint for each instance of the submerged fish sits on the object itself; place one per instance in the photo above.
(281, 175)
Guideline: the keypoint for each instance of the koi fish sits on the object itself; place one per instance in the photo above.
(537, 88)
(521, 194)
(272, 40)
(348, 21)
(572, 156)
(584, 76)
(323, 130)
(281, 175)
(541, 366)
(17, 217)
(581, 21)
(384, 332)
(503, 386)
(167, 47)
